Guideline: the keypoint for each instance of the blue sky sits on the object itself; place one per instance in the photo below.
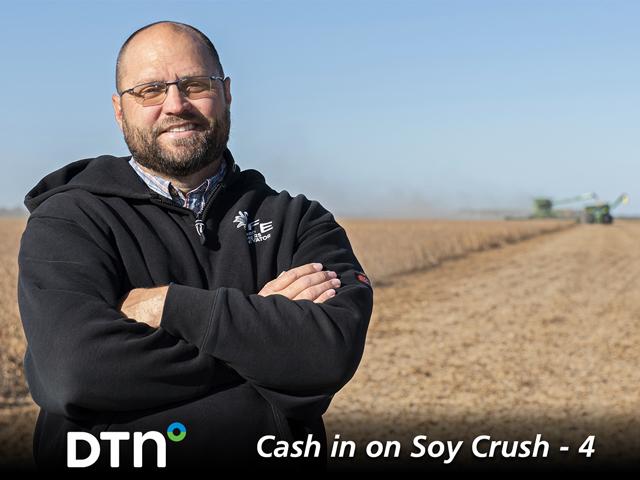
(373, 108)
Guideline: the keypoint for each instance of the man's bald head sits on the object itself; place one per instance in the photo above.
(174, 27)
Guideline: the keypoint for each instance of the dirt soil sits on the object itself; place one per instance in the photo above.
(537, 337)
(541, 336)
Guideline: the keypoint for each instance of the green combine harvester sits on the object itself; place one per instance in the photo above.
(601, 213)
(543, 206)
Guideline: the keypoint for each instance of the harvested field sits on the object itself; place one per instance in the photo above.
(539, 336)
(389, 247)
(536, 337)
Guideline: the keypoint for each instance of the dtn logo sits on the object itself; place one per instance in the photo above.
(176, 433)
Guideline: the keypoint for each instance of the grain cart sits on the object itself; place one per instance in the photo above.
(601, 213)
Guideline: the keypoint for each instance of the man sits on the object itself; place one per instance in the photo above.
(172, 286)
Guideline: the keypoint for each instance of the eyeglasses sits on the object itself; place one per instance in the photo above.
(155, 93)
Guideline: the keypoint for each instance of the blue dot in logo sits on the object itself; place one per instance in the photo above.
(171, 432)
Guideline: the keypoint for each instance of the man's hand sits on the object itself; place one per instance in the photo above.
(145, 305)
(307, 282)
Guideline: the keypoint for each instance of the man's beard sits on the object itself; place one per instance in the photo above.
(191, 155)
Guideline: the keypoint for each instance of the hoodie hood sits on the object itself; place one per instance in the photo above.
(107, 175)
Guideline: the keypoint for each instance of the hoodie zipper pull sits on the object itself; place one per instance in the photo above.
(199, 224)
(200, 229)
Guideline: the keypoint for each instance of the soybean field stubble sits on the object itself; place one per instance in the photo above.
(473, 331)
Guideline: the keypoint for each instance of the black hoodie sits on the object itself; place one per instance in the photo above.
(230, 365)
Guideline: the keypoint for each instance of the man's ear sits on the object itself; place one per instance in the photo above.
(117, 109)
(227, 90)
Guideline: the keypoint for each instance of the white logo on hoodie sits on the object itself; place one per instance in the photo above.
(256, 230)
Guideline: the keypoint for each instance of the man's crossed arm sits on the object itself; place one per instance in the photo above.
(307, 282)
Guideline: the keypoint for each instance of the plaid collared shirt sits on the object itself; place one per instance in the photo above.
(193, 200)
